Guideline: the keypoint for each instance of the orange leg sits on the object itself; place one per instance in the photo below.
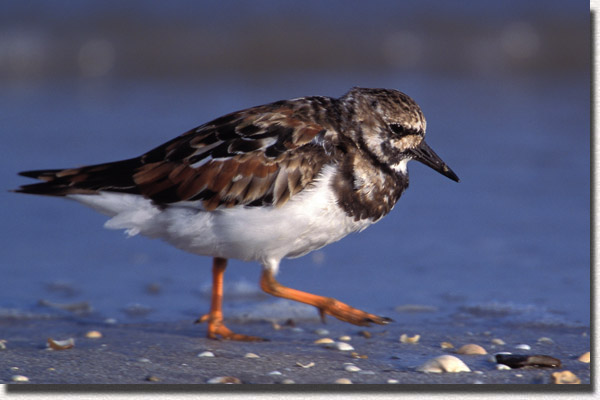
(216, 327)
(326, 305)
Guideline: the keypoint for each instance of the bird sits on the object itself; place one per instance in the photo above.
(262, 184)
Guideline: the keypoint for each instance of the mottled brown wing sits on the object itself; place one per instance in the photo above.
(259, 156)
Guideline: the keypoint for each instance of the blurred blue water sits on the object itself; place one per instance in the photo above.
(333, 9)
(515, 231)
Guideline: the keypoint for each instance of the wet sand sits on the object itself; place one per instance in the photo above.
(167, 353)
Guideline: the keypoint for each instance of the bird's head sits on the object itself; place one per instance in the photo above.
(392, 129)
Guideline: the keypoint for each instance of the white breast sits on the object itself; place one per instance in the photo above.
(308, 221)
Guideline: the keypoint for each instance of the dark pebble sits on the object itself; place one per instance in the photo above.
(524, 360)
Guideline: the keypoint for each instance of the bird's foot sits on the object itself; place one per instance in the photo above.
(218, 330)
(346, 313)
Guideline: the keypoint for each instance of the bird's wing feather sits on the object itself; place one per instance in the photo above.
(259, 156)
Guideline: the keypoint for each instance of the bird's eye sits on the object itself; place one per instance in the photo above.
(400, 130)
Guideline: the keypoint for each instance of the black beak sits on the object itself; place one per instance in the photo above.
(427, 156)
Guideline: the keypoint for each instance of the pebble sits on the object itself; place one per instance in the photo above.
(404, 338)
(331, 344)
(206, 354)
(351, 368)
(367, 372)
(288, 381)
(310, 364)
(274, 373)
(366, 334)
(61, 344)
(93, 335)
(249, 355)
(345, 338)
(502, 367)
(322, 332)
(393, 381)
(144, 360)
(325, 340)
(565, 377)
(343, 381)
(585, 357)
(445, 363)
(19, 378)
(2, 344)
(152, 378)
(224, 379)
(356, 355)
(343, 346)
(446, 345)
(110, 321)
(297, 329)
(523, 360)
(545, 340)
(493, 359)
(471, 349)
(523, 347)
(498, 341)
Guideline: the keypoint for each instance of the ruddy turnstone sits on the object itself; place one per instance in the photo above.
(272, 181)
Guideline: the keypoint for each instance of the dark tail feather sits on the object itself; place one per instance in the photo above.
(41, 174)
(115, 177)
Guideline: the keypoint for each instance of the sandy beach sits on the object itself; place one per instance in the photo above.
(178, 353)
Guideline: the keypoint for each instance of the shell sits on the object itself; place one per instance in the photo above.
(471, 348)
(343, 381)
(351, 368)
(343, 346)
(523, 346)
(445, 363)
(404, 338)
(585, 357)
(324, 341)
(93, 335)
(565, 377)
(225, 379)
(61, 344)
(309, 365)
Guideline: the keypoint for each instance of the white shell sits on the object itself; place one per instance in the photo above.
(445, 363)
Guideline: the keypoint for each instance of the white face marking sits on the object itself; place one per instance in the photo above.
(401, 166)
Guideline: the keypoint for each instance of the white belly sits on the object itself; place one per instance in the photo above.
(308, 221)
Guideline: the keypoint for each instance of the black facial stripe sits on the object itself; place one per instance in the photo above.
(374, 160)
(401, 130)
